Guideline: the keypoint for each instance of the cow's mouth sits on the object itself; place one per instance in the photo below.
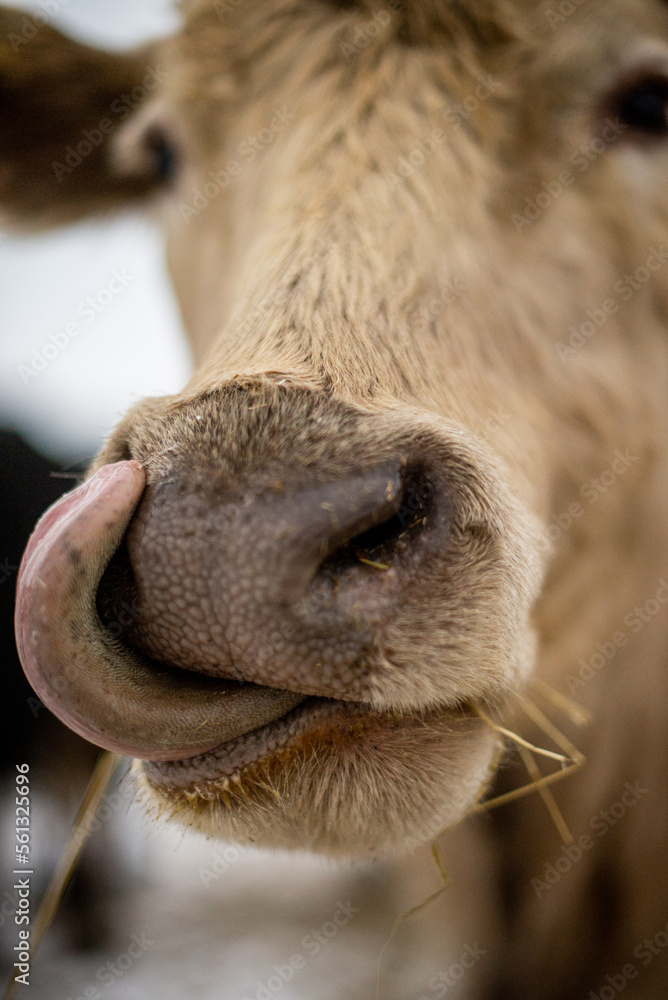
(108, 693)
(337, 777)
(259, 605)
(231, 758)
(190, 729)
(321, 726)
(119, 696)
(312, 635)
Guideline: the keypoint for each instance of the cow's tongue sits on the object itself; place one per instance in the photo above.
(104, 691)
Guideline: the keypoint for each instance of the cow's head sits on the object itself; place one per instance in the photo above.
(418, 249)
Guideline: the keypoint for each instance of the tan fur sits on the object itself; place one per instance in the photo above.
(316, 275)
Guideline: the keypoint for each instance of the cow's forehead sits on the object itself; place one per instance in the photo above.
(416, 21)
(547, 58)
(260, 42)
(486, 22)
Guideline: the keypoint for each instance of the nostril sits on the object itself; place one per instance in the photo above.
(391, 540)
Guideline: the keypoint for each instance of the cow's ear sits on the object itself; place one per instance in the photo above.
(61, 104)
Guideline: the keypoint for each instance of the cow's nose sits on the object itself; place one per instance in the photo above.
(282, 583)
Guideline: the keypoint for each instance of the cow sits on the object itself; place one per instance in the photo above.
(415, 488)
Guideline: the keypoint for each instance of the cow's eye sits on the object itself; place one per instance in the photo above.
(163, 153)
(642, 105)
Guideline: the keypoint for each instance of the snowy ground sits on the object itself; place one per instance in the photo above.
(196, 918)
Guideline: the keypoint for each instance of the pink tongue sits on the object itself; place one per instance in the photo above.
(80, 520)
(111, 494)
(100, 689)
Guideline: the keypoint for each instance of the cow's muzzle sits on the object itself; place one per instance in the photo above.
(165, 619)
(99, 687)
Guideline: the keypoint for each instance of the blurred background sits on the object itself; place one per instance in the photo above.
(133, 347)
(151, 913)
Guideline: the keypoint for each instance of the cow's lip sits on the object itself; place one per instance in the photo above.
(205, 775)
(229, 760)
(102, 689)
(110, 693)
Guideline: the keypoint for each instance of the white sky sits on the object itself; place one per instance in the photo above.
(134, 346)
